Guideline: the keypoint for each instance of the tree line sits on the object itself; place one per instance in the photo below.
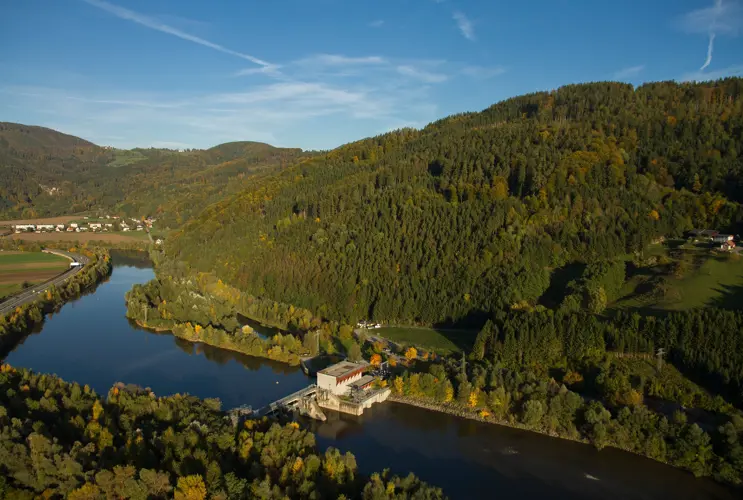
(60, 439)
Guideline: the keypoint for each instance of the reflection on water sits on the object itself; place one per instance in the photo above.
(260, 329)
(473, 460)
(91, 341)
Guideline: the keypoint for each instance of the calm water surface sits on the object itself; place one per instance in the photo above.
(91, 341)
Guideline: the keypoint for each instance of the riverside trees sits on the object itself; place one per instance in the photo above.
(62, 440)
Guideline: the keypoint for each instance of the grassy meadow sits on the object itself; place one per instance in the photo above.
(684, 276)
(442, 341)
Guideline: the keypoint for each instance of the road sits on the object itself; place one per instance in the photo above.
(31, 294)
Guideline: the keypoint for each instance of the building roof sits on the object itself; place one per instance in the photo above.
(363, 381)
(342, 369)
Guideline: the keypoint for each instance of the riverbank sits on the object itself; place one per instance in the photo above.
(458, 411)
(249, 344)
(21, 321)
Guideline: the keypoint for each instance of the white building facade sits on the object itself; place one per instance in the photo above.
(337, 378)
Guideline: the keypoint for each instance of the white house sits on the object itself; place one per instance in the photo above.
(45, 227)
(95, 225)
(74, 225)
(722, 238)
(338, 378)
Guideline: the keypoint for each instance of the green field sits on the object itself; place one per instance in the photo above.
(123, 157)
(19, 269)
(40, 259)
(442, 341)
(689, 276)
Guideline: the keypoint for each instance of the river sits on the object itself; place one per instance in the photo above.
(90, 341)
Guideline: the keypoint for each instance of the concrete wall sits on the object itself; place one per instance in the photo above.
(329, 383)
(332, 402)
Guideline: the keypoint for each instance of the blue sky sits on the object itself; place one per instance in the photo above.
(319, 73)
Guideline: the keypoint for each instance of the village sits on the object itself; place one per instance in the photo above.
(107, 223)
(724, 242)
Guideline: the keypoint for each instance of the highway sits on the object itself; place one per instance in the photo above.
(31, 294)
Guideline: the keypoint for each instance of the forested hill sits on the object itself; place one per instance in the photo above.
(473, 212)
(26, 141)
(37, 161)
(45, 172)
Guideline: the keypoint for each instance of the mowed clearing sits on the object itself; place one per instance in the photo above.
(706, 279)
(82, 237)
(17, 268)
(440, 340)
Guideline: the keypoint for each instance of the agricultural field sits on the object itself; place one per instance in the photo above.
(442, 341)
(19, 270)
(84, 237)
(684, 276)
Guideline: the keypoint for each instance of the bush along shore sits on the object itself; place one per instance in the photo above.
(61, 440)
(523, 399)
(245, 341)
(200, 308)
(205, 315)
(22, 319)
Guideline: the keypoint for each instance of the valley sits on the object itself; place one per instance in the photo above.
(537, 271)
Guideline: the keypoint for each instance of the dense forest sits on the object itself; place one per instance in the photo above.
(472, 213)
(61, 440)
(45, 172)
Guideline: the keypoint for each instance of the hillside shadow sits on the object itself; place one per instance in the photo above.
(131, 258)
(559, 281)
(462, 331)
(731, 297)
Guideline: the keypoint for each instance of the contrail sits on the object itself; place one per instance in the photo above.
(716, 12)
(710, 48)
(148, 22)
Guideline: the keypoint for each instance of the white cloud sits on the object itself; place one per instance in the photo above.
(279, 113)
(699, 76)
(154, 24)
(377, 23)
(724, 17)
(422, 75)
(465, 25)
(171, 145)
(272, 70)
(340, 60)
(483, 72)
(629, 72)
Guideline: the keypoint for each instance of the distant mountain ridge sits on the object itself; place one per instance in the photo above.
(46, 172)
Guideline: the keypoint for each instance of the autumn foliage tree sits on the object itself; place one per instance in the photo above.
(411, 354)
